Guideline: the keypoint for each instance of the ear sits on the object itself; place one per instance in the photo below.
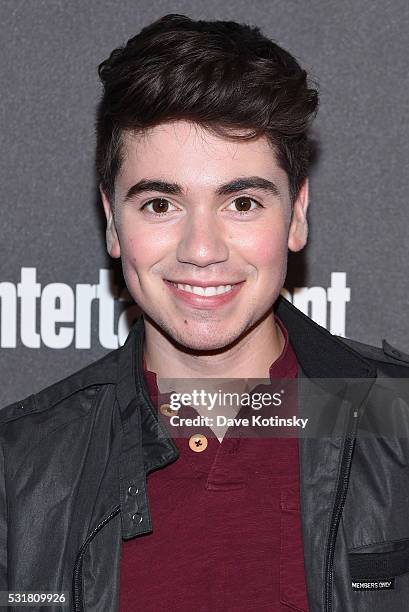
(111, 235)
(298, 233)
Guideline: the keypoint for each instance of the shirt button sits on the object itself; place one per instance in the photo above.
(167, 410)
(198, 443)
(132, 490)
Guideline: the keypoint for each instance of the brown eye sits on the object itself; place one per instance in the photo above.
(243, 204)
(159, 205)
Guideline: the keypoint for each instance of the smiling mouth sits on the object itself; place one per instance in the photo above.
(210, 291)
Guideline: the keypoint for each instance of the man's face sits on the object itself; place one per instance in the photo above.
(196, 209)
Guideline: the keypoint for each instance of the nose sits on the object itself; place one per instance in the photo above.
(202, 241)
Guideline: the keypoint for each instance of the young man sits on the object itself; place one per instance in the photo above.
(203, 153)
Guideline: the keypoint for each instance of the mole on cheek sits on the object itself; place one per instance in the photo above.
(185, 322)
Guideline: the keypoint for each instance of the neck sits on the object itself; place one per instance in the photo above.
(250, 357)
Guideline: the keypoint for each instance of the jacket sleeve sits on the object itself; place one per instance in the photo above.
(3, 522)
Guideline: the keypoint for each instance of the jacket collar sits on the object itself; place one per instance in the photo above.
(132, 391)
(319, 353)
(145, 446)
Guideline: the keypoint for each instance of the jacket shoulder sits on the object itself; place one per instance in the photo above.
(385, 355)
(87, 381)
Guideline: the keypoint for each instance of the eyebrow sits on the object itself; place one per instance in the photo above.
(233, 186)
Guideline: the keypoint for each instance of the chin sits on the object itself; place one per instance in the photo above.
(202, 344)
(210, 340)
(198, 335)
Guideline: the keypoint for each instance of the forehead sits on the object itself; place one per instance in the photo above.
(189, 154)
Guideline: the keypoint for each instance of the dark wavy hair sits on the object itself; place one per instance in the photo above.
(224, 76)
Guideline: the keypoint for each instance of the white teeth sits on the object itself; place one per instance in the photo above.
(204, 291)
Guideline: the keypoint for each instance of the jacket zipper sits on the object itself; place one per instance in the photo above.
(340, 497)
(336, 517)
(77, 575)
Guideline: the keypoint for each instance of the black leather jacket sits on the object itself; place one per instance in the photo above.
(75, 459)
